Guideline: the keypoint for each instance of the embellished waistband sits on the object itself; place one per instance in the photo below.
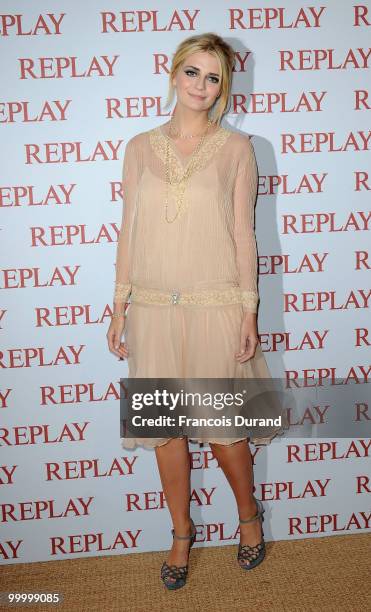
(203, 297)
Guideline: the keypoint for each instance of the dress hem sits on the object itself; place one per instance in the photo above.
(151, 443)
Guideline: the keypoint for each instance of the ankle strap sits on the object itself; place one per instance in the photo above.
(181, 537)
(188, 537)
(257, 515)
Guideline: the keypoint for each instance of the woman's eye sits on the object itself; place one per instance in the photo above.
(192, 72)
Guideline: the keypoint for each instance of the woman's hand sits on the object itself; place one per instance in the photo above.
(248, 338)
(114, 335)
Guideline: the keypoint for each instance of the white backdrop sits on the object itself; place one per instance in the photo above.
(79, 80)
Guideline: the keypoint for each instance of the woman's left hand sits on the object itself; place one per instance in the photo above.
(248, 337)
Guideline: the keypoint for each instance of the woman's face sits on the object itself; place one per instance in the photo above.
(198, 81)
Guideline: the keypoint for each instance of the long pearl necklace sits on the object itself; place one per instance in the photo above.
(185, 176)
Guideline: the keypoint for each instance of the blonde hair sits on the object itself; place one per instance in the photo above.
(214, 44)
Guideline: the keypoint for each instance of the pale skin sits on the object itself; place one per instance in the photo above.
(198, 83)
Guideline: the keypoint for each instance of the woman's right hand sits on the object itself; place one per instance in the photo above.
(114, 335)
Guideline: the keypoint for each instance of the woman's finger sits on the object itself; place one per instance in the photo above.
(123, 350)
(243, 340)
(114, 344)
(249, 351)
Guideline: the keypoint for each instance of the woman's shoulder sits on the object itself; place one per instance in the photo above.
(242, 140)
(242, 148)
(137, 140)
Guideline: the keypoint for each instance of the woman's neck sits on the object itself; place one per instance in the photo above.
(188, 122)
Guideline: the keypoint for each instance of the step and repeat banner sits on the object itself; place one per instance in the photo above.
(79, 79)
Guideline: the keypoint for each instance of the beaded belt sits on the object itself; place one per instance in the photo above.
(231, 295)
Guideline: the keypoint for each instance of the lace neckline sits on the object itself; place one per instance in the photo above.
(175, 148)
(211, 145)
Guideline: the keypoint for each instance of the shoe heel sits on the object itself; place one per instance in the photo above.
(261, 509)
(254, 555)
(180, 573)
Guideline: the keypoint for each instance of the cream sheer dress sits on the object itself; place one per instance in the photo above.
(211, 247)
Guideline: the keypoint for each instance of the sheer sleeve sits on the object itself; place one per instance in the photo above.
(245, 191)
(130, 172)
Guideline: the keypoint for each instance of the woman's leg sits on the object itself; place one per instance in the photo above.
(175, 469)
(236, 463)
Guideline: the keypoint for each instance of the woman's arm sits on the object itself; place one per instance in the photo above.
(129, 185)
(245, 191)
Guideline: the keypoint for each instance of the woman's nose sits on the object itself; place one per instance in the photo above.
(200, 85)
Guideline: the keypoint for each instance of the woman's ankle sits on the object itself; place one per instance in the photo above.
(183, 527)
(249, 510)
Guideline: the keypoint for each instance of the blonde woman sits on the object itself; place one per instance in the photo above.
(187, 258)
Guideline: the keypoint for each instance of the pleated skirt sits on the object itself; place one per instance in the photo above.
(187, 341)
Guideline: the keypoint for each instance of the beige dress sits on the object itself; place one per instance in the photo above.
(210, 250)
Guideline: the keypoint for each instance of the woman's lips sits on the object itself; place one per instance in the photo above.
(198, 97)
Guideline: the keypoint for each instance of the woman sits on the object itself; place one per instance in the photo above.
(187, 256)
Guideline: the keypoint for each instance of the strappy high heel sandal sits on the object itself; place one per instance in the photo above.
(248, 556)
(177, 574)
